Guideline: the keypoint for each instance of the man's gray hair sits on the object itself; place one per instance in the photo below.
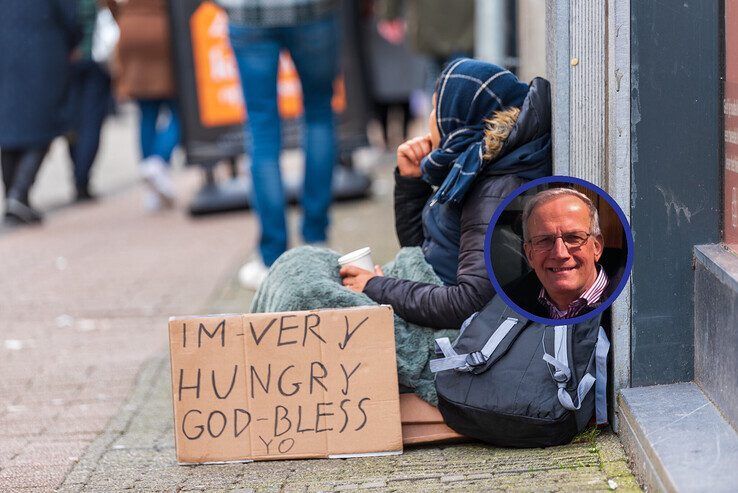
(547, 195)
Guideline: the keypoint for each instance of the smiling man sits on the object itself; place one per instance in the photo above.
(563, 243)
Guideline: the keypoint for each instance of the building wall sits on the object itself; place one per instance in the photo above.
(531, 38)
(588, 63)
(637, 100)
(676, 143)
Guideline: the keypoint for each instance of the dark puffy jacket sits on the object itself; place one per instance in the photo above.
(453, 237)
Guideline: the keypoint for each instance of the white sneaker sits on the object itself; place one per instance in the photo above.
(156, 174)
(152, 202)
(252, 274)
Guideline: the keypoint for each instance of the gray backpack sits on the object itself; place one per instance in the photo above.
(516, 383)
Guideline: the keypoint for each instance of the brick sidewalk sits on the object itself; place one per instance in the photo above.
(84, 302)
(137, 453)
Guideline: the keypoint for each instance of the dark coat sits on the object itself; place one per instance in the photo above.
(437, 28)
(36, 40)
(453, 237)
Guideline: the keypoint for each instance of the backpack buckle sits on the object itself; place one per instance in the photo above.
(560, 376)
(475, 359)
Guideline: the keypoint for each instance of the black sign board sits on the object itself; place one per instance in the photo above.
(204, 144)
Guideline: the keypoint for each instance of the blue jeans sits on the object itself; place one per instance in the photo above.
(314, 49)
(158, 139)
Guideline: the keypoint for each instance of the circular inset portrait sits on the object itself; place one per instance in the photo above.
(559, 250)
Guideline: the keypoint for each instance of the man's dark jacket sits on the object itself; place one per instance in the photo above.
(452, 238)
(525, 290)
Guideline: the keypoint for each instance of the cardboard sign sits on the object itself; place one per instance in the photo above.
(423, 423)
(286, 385)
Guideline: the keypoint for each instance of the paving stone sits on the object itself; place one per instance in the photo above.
(44, 452)
(609, 447)
(74, 425)
(118, 316)
(373, 484)
(87, 437)
(22, 429)
(27, 476)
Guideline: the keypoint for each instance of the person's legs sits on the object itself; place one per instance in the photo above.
(405, 115)
(257, 53)
(314, 49)
(149, 113)
(72, 107)
(93, 105)
(9, 161)
(382, 113)
(154, 166)
(17, 205)
(167, 136)
(27, 168)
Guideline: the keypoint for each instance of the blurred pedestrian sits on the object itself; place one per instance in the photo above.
(309, 29)
(353, 118)
(36, 41)
(440, 29)
(144, 72)
(89, 99)
(389, 55)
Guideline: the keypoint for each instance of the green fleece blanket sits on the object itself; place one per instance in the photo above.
(306, 278)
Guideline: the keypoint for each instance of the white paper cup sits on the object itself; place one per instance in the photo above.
(361, 258)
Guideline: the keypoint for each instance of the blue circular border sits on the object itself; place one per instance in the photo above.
(558, 179)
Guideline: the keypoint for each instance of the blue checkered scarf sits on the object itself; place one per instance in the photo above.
(468, 92)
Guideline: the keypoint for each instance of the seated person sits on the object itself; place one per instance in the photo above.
(488, 134)
(563, 244)
(451, 230)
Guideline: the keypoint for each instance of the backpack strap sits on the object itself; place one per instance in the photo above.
(603, 347)
(464, 362)
(562, 375)
(560, 361)
(448, 349)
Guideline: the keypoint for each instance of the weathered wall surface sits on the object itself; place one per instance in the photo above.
(675, 175)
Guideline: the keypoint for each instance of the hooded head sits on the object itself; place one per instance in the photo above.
(468, 93)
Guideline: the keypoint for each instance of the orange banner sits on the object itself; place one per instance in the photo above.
(218, 85)
(219, 93)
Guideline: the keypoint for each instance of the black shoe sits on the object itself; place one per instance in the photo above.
(20, 213)
(12, 221)
(84, 195)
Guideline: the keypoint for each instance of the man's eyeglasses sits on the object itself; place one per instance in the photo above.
(574, 239)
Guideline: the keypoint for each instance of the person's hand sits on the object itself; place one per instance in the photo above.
(355, 278)
(411, 153)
